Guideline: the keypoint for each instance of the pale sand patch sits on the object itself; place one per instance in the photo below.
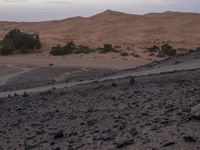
(93, 60)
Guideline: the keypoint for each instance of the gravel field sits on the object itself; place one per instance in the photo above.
(147, 112)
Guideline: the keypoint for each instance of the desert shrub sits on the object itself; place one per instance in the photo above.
(107, 48)
(57, 50)
(153, 49)
(66, 49)
(7, 48)
(168, 50)
(23, 50)
(17, 40)
(83, 49)
(124, 54)
(69, 48)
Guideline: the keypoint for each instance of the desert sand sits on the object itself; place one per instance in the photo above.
(103, 101)
(132, 32)
(128, 30)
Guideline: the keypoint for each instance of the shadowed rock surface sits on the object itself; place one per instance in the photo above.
(153, 112)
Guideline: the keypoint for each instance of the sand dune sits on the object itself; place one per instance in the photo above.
(137, 31)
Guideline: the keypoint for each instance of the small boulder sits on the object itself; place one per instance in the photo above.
(189, 139)
(195, 112)
(59, 134)
(113, 84)
(25, 94)
(56, 147)
(124, 141)
(168, 144)
(132, 81)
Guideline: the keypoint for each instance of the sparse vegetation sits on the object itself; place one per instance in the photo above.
(69, 48)
(83, 49)
(168, 50)
(124, 54)
(16, 40)
(107, 48)
(162, 51)
(153, 49)
(57, 50)
(63, 50)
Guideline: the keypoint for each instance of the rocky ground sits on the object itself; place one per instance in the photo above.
(146, 113)
(43, 76)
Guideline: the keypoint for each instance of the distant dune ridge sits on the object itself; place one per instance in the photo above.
(182, 30)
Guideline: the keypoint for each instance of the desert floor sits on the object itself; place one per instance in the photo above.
(148, 107)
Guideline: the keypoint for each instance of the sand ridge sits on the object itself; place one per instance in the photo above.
(128, 30)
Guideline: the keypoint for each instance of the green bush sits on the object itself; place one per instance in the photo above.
(23, 50)
(107, 48)
(153, 49)
(17, 40)
(57, 50)
(69, 48)
(83, 49)
(168, 50)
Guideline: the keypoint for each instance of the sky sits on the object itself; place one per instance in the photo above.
(41, 10)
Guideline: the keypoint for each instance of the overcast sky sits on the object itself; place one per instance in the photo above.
(37, 10)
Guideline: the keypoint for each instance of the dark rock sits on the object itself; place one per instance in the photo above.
(189, 139)
(25, 94)
(195, 112)
(56, 147)
(52, 143)
(177, 62)
(123, 141)
(168, 144)
(59, 134)
(133, 131)
(91, 122)
(113, 85)
(132, 81)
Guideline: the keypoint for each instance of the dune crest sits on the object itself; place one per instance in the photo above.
(182, 30)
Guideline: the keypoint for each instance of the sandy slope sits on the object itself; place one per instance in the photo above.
(93, 60)
(180, 29)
